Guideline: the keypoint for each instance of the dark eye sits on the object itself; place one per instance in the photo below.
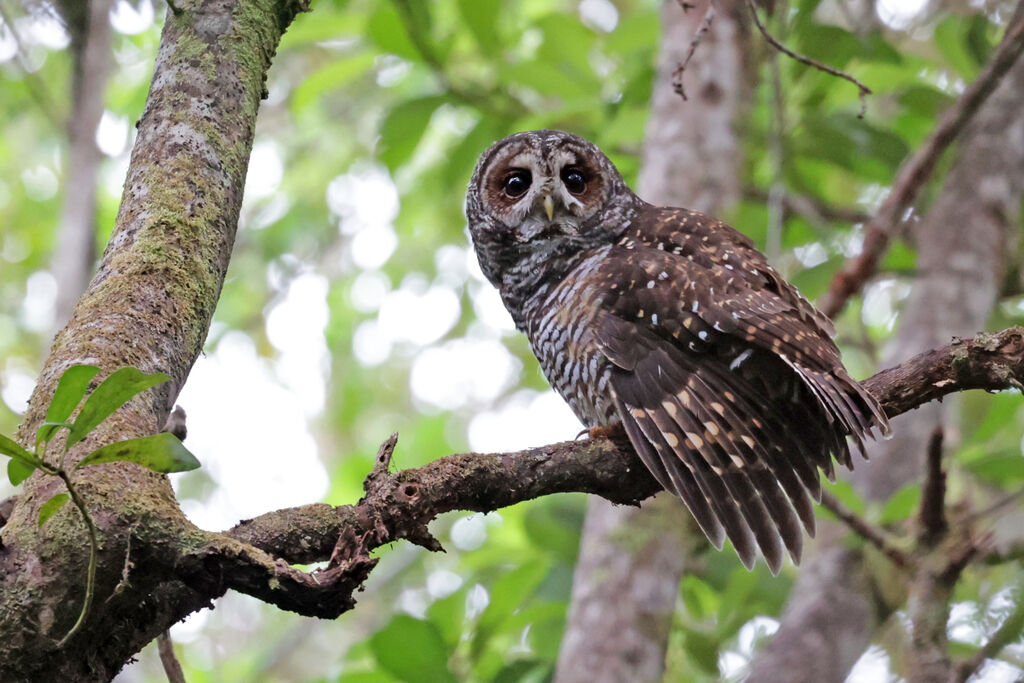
(517, 183)
(574, 180)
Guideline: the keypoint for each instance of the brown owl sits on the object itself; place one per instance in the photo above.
(725, 379)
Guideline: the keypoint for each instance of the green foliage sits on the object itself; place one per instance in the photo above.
(161, 452)
(116, 390)
(50, 507)
(412, 650)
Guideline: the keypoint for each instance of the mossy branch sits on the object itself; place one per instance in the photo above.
(400, 505)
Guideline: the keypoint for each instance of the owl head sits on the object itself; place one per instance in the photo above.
(541, 193)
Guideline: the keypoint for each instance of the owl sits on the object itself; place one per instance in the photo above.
(723, 376)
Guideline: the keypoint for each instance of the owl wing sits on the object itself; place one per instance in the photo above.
(727, 382)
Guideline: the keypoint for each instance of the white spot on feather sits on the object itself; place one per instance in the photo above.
(739, 360)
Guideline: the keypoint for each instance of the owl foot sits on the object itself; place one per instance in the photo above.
(603, 431)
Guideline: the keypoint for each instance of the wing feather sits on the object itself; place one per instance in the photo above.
(727, 382)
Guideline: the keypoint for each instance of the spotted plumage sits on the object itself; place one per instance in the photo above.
(725, 379)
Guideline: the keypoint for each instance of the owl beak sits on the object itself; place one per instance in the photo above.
(549, 207)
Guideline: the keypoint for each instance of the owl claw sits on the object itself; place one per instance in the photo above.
(602, 431)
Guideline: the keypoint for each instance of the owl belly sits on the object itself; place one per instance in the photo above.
(560, 329)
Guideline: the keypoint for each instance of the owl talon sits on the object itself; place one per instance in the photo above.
(602, 431)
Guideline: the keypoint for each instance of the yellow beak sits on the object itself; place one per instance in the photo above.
(549, 206)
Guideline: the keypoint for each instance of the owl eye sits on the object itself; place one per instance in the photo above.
(574, 180)
(517, 183)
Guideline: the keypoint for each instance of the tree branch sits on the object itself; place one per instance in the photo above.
(990, 361)
(913, 174)
(865, 530)
(862, 90)
(932, 514)
(400, 505)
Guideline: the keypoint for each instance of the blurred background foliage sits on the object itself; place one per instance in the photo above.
(354, 307)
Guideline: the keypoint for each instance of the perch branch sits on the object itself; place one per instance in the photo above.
(252, 557)
(913, 174)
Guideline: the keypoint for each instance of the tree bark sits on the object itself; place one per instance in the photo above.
(962, 244)
(631, 559)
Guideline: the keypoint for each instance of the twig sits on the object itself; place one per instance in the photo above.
(932, 514)
(698, 35)
(916, 170)
(863, 90)
(1009, 631)
(172, 667)
(865, 530)
(90, 576)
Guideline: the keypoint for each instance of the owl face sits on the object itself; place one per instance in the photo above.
(540, 192)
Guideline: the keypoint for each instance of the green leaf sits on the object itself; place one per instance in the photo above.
(847, 495)
(925, 100)
(524, 671)
(449, 616)
(702, 649)
(482, 20)
(330, 78)
(12, 449)
(1003, 468)
(116, 390)
(976, 39)
(832, 45)
(951, 41)
(50, 507)
(700, 599)
(18, 471)
(161, 452)
(48, 429)
(412, 650)
(385, 28)
(554, 525)
(901, 504)
(403, 128)
(508, 594)
(70, 390)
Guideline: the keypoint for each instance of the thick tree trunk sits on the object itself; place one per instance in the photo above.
(962, 241)
(149, 306)
(631, 559)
